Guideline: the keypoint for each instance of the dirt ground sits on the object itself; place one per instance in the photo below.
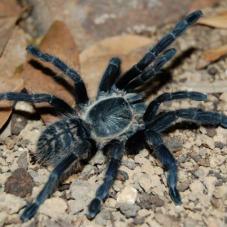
(139, 196)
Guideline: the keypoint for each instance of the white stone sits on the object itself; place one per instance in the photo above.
(10, 203)
(53, 207)
(127, 195)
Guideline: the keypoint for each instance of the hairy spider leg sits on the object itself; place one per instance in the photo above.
(110, 75)
(115, 151)
(49, 187)
(164, 120)
(155, 141)
(56, 102)
(150, 72)
(167, 40)
(81, 96)
(152, 108)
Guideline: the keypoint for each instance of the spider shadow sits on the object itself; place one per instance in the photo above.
(55, 76)
(137, 142)
(165, 76)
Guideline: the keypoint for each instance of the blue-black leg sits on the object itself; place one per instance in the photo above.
(56, 102)
(154, 105)
(167, 40)
(115, 151)
(110, 75)
(150, 72)
(80, 89)
(155, 141)
(49, 187)
(164, 120)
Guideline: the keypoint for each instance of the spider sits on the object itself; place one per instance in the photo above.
(110, 121)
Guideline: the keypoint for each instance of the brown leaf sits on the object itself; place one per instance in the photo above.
(94, 59)
(6, 28)
(9, 8)
(42, 78)
(11, 59)
(9, 13)
(211, 55)
(217, 21)
(91, 21)
(199, 4)
(14, 54)
(14, 84)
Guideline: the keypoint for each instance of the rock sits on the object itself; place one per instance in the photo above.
(20, 183)
(183, 186)
(221, 192)
(10, 203)
(217, 203)
(167, 220)
(18, 122)
(211, 132)
(3, 216)
(149, 201)
(128, 210)
(127, 195)
(98, 159)
(144, 180)
(53, 207)
(201, 172)
(129, 163)
(122, 175)
(82, 192)
(212, 70)
(189, 222)
(103, 217)
(210, 183)
(173, 143)
(196, 187)
(22, 161)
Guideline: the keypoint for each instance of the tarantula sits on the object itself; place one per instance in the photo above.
(108, 123)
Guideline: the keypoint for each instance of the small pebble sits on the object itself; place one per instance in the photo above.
(20, 183)
(149, 201)
(128, 210)
(10, 203)
(127, 195)
(53, 207)
(122, 176)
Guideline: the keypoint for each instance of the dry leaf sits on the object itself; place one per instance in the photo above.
(13, 57)
(211, 55)
(205, 87)
(93, 60)
(14, 84)
(199, 4)
(217, 21)
(9, 8)
(14, 54)
(59, 42)
(9, 13)
(91, 21)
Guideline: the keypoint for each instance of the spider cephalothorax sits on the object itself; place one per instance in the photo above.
(115, 115)
(108, 122)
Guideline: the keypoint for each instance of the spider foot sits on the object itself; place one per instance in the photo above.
(175, 196)
(29, 212)
(94, 208)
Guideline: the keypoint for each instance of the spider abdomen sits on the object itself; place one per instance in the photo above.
(59, 139)
(110, 116)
